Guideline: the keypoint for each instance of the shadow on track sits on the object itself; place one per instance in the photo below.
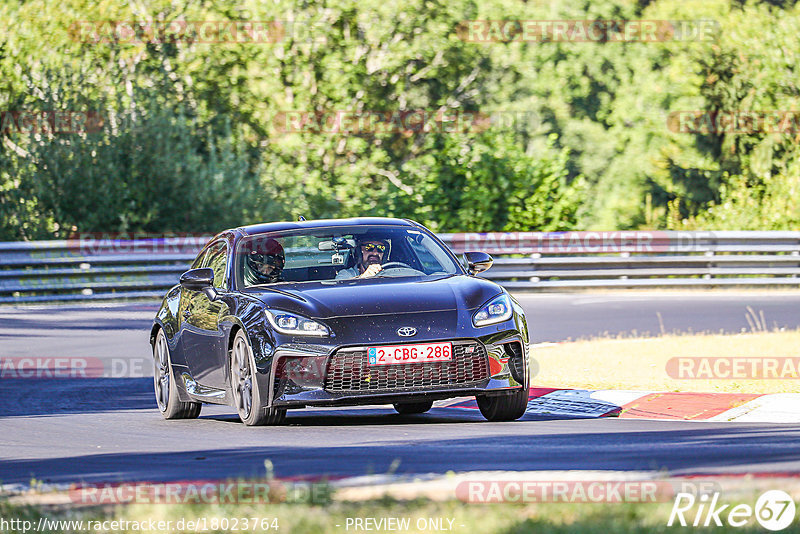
(609, 445)
(346, 416)
(51, 328)
(50, 397)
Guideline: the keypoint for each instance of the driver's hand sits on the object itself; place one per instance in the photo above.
(372, 270)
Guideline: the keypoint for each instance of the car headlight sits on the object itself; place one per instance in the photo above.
(496, 310)
(296, 325)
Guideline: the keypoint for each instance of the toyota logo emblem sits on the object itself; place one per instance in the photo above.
(406, 331)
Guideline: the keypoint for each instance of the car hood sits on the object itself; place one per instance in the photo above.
(379, 296)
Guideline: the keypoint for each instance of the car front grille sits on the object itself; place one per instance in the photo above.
(348, 370)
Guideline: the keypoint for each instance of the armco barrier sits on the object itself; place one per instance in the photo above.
(98, 269)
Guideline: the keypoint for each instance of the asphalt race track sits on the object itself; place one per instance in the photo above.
(108, 429)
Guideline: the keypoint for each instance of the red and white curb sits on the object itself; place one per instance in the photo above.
(740, 407)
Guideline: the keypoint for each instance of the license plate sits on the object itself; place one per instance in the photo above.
(399, 354)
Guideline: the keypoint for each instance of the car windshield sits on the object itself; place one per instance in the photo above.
(340, 253)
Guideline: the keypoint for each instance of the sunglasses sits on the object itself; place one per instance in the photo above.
(369, 247)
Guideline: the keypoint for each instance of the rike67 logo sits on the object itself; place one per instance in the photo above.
(774, 510)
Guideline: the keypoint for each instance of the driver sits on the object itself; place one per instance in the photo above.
(265, 263)
(370, 253)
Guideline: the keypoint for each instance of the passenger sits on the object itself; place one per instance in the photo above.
(265, 263)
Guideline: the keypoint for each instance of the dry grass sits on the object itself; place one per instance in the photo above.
(641, 363)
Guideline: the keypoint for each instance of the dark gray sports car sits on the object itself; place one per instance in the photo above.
(337, 312)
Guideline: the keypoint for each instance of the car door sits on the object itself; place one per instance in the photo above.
(205, 346)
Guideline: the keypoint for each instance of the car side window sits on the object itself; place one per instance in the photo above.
(428, 261)
(198, 261)
(216, 258)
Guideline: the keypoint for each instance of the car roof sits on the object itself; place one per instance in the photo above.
(322, 223)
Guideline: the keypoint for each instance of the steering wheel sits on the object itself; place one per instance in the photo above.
(396, 265)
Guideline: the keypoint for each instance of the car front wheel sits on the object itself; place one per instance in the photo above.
(246, 395)
(164, 382)
(504, 407)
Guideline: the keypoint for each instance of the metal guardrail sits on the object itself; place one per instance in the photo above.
(97, 269)
(94, 268)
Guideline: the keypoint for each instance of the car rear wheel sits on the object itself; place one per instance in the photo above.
(504, 407)
(407, 408)
(246, 395)
(164, 383)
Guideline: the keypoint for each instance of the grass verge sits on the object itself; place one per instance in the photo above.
(421, 516)
(642, 363)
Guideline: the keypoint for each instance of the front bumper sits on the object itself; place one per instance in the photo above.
(298, 377)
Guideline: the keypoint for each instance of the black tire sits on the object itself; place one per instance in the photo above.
(247, 398)
(164, 384)
(504, 407)
(408, 408)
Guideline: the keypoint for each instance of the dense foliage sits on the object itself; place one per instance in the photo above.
(193, 136)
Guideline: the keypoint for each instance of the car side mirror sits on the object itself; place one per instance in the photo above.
(477, 262)
(201, 279)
